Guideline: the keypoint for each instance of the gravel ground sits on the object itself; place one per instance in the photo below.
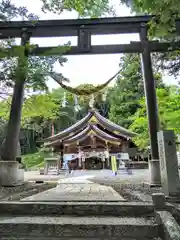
(136, 192)
(25, 190)
(129, 190)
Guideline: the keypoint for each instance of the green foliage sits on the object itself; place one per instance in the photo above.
(162, 26)
(36, 79)
(14, 63)
(128, 90)
(169, 112)
(36, 160)
(169, 62)
(9, 11)
(95, 8)
(31, 160)
(42, 106)
(41, 110)
(38, 166)
(166, 12)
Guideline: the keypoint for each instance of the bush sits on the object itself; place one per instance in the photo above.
(38, 166)
(35, 160)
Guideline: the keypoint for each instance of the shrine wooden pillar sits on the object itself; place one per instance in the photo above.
(79, 157)
(83, 165)
(151, 104)
(61, 158)
(83, 162)
(107, 156)
(103, 164)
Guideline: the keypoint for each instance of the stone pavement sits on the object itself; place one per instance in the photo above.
(77, 189)
(101, 175)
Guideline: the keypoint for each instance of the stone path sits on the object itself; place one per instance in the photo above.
(77, 189)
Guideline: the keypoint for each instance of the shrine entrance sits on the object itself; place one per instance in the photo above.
(93, 164)
(94, 160)
(84, 29)
(90, 141)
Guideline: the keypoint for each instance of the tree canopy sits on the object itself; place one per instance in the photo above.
(162, 27)
(84, 8)
(128, 90)
(165, 11)
(168, 108)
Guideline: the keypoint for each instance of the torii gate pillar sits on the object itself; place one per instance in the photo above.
(151, 105)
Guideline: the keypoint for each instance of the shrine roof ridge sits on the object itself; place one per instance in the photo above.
(85, 133)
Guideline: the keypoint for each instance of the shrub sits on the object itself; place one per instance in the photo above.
(35, 160)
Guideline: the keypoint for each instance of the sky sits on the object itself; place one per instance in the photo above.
(94, 69)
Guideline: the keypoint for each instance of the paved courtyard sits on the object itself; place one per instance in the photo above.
(99, 175)
(77, 189)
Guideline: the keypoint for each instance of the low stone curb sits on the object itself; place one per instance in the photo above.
(77, 208)
(78, 227)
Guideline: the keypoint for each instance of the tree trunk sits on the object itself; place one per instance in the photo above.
(18, 151)
(13, 129)
(12, 138)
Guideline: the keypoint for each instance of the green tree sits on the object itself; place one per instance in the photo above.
(65, 115)
(25, 73)
(42, 109)
(20, 74)
(20, 68)
(162, 27)
(128, 90)
(39, 113)
(165, 11)
(84, 8)
(169, 112)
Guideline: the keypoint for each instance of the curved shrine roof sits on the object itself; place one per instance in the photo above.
(90, 130)
(80, 124)
(89, 125)
(112, 126)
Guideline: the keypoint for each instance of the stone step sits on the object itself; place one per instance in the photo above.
(82, 238)
(77, 208)
(70, 227)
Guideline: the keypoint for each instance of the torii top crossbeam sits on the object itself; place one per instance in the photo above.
(61, 28)
(84, 29)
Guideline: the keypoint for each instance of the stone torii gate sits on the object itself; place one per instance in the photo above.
(84, 29)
